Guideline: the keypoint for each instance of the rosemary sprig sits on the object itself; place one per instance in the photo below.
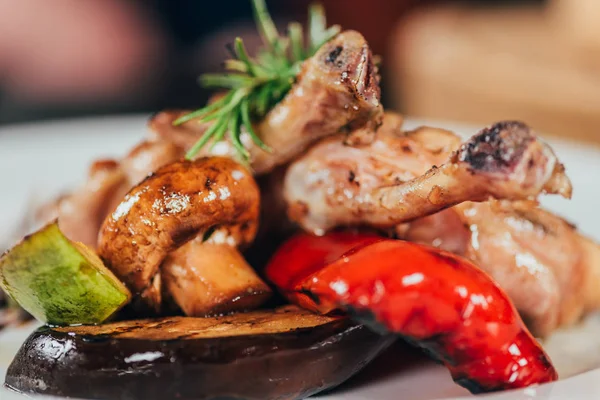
(255, 85)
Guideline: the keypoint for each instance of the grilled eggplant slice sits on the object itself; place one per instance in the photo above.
(287, 353)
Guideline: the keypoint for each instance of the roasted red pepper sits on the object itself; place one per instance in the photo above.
(440, 301)
(303, 255)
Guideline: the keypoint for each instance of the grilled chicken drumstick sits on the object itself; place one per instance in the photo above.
(337, 90)
(538, 258)
(505, 161)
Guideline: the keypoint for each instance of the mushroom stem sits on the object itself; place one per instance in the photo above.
(210, 279)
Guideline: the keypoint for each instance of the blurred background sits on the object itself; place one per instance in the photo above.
(474, 61)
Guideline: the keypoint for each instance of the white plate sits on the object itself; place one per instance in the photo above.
(37, 161)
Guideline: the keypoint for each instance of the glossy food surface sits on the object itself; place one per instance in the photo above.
(172, 206)
(285, 319)
(441, 301)
(286, 354)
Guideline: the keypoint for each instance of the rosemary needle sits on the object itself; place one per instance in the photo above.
(255, 85)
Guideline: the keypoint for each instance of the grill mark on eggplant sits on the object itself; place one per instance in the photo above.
(105, 366)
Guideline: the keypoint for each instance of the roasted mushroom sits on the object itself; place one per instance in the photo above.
(176, 204)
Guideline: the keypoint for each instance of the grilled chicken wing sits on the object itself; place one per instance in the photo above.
(330, 185)
(505, 161)
(337, 90)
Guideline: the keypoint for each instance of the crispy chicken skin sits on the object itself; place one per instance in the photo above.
(171, 207)
(505, 161)
(539, 259)
(337, 90)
